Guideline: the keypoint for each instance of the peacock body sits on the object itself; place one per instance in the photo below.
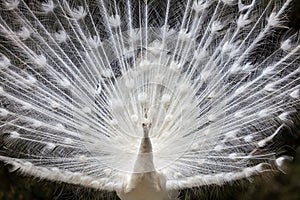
(147, 97)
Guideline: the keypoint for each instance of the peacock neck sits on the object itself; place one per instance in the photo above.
(144, 162)
(145, 182)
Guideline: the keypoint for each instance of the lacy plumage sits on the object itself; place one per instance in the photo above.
(147, 97)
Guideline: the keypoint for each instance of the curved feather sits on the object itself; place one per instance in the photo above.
(216, 80)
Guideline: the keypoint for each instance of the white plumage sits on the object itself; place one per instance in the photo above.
(146, 97)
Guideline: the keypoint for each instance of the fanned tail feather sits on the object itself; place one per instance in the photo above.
(216, 81)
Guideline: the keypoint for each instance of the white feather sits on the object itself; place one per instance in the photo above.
(145, 98)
